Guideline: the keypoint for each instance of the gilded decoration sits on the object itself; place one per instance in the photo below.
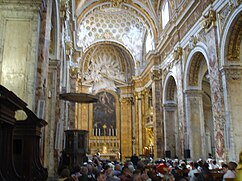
(177, 54)
(209, 20)
(235, 40)
(156, 74)
(193, 42)
(117, 3)
(126, 100)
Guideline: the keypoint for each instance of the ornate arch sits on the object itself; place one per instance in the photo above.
(193, 77)
(170, 88)
(232, 37)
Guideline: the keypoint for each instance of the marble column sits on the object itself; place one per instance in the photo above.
(180, 110)
(157, 114)
(52, 115)
(195, 135)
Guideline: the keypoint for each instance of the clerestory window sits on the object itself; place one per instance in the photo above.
(165, 14)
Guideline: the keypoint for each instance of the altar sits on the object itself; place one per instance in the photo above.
(110, 156)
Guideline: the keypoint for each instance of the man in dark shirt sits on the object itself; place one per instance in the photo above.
(134, 160)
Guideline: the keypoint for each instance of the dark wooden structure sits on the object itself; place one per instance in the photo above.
(19, 141)
(26, 141)
(9, 103)
(76, 146)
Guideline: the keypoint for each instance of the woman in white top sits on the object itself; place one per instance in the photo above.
(193, 170)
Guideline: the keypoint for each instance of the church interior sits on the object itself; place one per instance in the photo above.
(119, 77)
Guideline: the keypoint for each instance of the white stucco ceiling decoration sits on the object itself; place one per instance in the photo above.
(112, 24)
(127, 23)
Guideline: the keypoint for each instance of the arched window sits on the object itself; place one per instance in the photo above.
(149, 44)
(165, 14)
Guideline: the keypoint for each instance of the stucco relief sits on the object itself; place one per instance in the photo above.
(222, 17)
(103, 72)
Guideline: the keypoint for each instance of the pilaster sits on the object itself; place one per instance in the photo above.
(126, 127)
(171, 129)
(195, 132)
(158, 121)
(232, 88)
(215, 82)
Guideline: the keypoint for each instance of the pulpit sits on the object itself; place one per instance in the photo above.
(76, 145)
(27, 134)
(9, 103)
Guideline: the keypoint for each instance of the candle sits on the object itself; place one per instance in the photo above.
(99, 132)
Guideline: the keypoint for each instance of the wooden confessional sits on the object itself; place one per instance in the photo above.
(19, 141)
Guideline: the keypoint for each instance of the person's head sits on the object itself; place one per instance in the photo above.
(117, 167)
(232, 165)
(225, 168)
(144, 177)
(65, 173)
(205, 165)
(101, 176)
(168, 177)
(84, 170)
(108, 171)
(196, 165)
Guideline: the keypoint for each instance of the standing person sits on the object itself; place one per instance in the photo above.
(205, 174)
(193, 171)
(134, 160)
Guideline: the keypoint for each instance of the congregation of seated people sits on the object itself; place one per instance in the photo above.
(96, 169)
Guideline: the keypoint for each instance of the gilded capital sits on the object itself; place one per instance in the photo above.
(126, 100)
(156, 74)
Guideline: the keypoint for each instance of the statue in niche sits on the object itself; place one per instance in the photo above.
(104, 115)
